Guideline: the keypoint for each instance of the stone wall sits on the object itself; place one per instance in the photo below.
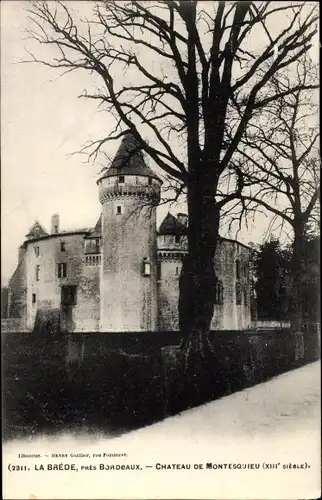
(168, 292)
(87, 309)
(128, 298)
(4, 301)
(44, 285)
(266, 325)
(231, 315)
(228, 315)
(17, 299)
(13, 325)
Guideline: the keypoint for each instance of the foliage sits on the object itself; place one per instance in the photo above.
(271, 265)
(272, 282)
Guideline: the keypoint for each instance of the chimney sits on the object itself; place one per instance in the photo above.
(183, 218)
(54, 224)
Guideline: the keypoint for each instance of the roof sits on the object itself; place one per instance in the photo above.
(96, 232)
(46, 236)
(129, 160)
(36, 231)
(171, 225)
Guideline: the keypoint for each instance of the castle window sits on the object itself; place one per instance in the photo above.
(150, 181)
(62, 246)
(245, 297)
(118, 210)
(177, 238)
(36, 251)
(62, 270)
(121, 179)
(146, 267)
(37, 273)
(34, 298)
(219, 293)
(55, 229)
(177, 271)
(238, 294)
(159, 271)
(238, 269)
(69, 295)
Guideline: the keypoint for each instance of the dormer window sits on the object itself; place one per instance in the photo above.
(146, 267)
(121, 179)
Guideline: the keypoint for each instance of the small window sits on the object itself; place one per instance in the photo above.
(150, 181)
(245, 296)
(238, 269)
(62, 246)
(36, 251)
(146, 267)
(118, 210)
(37, 273)
(159, 273)
(177, 238)
(62, 270)
(219, 293)
(177, 271)
(56, 229)
(34, 298)
(238, 294)
(69, 295)
(121, 179)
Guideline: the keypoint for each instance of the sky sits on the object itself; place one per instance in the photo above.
(43, 122)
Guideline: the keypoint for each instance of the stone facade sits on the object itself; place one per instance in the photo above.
(123, 274)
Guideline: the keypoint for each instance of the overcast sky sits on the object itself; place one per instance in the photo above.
(43, 121)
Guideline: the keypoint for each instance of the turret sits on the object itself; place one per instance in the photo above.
(129, 192)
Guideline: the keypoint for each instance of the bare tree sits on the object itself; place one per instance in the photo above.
(173, 71)
(280, 167)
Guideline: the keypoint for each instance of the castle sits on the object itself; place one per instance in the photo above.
(123, 274)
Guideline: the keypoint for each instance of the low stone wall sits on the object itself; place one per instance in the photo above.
(110, 382)
(13, 325)
(267, 324)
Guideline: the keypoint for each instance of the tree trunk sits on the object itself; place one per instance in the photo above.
(198, 279)
(297, 272)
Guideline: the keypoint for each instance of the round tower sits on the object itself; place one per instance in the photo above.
(129, 192)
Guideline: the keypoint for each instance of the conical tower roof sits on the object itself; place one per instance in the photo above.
(129, 160)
